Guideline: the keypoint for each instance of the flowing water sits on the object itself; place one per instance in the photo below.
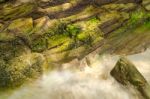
(89, 82)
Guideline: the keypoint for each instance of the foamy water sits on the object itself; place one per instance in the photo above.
(89, 82)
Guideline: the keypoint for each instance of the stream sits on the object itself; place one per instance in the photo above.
(88, 82)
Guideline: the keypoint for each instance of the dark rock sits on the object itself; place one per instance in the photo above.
(127, 74)
(2, 1)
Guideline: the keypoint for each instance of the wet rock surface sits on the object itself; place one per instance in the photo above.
(126, 73)
(63, 30)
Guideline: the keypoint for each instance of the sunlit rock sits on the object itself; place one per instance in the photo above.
(21, 26)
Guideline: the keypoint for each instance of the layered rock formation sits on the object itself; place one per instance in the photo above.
(34, 35)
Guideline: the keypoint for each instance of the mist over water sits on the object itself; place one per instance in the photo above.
(88, 82)
(142, 62)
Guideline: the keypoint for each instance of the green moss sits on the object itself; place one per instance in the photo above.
(134, 17)
(94, 20)
(39, 44)
(72, 30)
(20, 69)
(137, 17)
(64, 36)
(131, 35)
(64, 45)
(90, 30)
(147, 22)
(9, 50)
(83, 36)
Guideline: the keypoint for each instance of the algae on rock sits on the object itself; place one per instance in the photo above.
(126, 73)
(20, 69)
(36, 34)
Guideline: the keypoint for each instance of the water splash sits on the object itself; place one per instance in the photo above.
(91, 82)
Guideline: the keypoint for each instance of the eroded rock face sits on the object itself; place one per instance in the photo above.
(59, 32)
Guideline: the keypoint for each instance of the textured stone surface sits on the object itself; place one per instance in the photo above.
(59, 31)
(126, 73)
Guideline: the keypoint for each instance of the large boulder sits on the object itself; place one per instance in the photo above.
(20, 69)
(126, 73)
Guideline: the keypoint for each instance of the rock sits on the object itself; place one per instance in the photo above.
(17, 63)
(148, 7)
(59, 31)
(21, 69)
(41, 25)
(146, 4)
(111, 28)
(6, 36)
(103, 2)
(21, 26)
(120, 7)
(10, 12)
(126, 73)
(112, 21)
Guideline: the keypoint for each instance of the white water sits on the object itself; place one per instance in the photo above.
(92, 82)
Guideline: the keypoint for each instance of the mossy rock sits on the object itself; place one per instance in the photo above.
(6, 36)
(20, 69)
(21, 26)
(10, 12)
(1, 26)
(120, 7)
(12, 49)
(126, 73)
(61, 37)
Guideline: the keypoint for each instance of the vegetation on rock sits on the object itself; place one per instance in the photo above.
(126, 73)
(50, 32)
